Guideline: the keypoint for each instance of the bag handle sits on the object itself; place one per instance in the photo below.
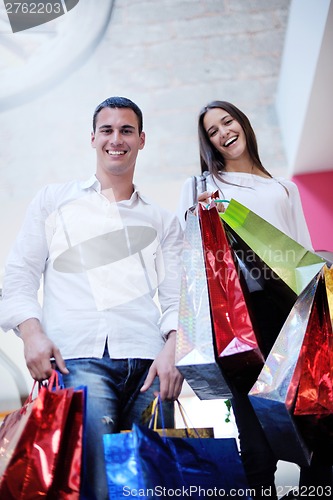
(203, 181)
(51, 384)
(194, 189)
(157, 408)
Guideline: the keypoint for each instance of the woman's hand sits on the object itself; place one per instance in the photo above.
(206, 197)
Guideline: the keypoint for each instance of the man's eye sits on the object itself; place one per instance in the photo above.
(127, 131)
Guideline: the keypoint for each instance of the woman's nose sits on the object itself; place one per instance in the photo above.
(223, 131)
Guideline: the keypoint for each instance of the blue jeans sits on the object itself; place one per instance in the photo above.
(114, 403)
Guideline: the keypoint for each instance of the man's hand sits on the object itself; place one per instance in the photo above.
(171, 380)
(38, 350)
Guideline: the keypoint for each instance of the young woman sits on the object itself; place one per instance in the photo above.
(230, 164)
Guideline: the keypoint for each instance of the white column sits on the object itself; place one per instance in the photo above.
(304, 97)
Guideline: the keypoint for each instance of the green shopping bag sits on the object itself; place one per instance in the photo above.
(295, 265)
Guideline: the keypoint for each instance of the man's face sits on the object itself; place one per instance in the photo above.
(117, 141)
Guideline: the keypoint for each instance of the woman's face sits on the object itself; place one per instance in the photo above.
(225, 133)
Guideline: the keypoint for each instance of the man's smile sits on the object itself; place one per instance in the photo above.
(115, 153)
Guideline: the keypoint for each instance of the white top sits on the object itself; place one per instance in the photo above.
(102, 263)
(276, 200)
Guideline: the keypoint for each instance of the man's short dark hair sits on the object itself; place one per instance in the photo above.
(119, 102)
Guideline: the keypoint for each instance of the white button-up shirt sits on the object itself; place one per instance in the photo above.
(104, 263)
(276, 200)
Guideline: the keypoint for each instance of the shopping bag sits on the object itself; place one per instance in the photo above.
(142, 460)
(236, 343)
(195, 347)
(269, 299)
(313, 409)
(30, 441)
(274, 394)
(295, 265)
(329, 290)
(150, 417)
(145, 461)
(67, 476)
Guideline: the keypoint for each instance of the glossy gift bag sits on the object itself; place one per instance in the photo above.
(195, 344)
(237, 347)
(30, 443)
(269, 299)
(313, 409)
(155, 408)
(70, 462)
(294, 264)
(144, 462)
(293, 394)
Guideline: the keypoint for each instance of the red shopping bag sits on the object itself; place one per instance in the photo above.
(67, 477)
(315, 387)
(313, 409)
(293, 396)
(237, 347)
(30, 442)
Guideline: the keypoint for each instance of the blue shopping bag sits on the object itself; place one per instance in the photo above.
(144, 463)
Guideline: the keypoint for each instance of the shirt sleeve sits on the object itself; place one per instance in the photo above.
(24, 267)
(169, 264)
(298, 223)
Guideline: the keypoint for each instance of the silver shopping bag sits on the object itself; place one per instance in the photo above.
(195, 349)
(273, 395)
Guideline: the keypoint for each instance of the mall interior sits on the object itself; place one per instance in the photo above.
(271, 58)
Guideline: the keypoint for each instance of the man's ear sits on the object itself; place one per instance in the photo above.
(92, 140)
(142, 140)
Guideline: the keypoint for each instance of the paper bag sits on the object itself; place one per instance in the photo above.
(236, 343)
(273, 395)
(30, 443)
(295, 265)
(144, 460)
(313, 410)
(269, 299)
(195, 348)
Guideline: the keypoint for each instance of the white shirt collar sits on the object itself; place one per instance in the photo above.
(94, 183)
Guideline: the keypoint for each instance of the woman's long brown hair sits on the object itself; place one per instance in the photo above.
(211, 159)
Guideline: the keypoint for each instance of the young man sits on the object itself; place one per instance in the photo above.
(104, 250)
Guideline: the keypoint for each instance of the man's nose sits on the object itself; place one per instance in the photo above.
(116, 137)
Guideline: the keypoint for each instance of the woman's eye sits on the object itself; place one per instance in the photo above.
(212, 133)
